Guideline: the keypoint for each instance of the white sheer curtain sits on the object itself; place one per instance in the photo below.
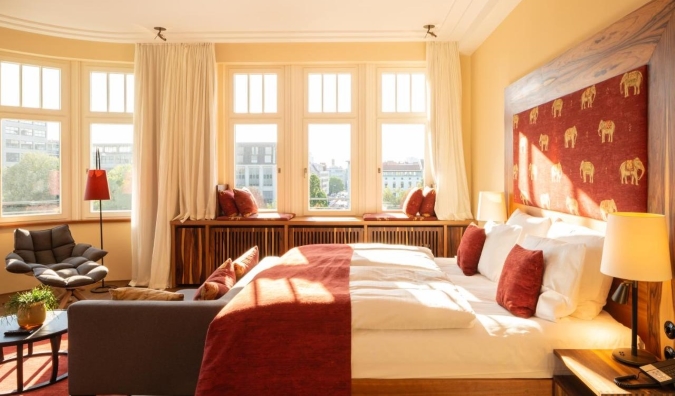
(175, 155)
(446, 168)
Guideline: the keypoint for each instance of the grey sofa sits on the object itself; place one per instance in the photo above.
(141, 347)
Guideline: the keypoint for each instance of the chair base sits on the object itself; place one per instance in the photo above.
(74, 292)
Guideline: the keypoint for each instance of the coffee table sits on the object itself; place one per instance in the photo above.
(54, 327)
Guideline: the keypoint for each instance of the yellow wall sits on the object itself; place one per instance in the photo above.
(535, 32)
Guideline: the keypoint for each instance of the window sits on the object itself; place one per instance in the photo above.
(31, 182)
(329, 92)
(255, 93)
(249, 138)
(111, 92)
(350, 133)
(329, 174)
(402, 124)
(110, 139)
(403, 92)
(108, 106)
(255, 116)
(30, 86)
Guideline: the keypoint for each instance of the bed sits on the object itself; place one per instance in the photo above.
(498, 354)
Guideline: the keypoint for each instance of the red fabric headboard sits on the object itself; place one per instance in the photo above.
(585, 153)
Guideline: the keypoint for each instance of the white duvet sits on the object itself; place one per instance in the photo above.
(396, 287)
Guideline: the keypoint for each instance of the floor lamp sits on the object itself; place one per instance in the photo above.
(635, 249)
(97, 190)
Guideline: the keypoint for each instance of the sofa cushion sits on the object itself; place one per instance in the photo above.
(246, 262)
(139, 293)
(219, 283)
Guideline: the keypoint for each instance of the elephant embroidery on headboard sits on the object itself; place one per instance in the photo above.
(606, 128)
(587, 169)
(631, 79)
(606, 133)
(631, 168)
(588, 97)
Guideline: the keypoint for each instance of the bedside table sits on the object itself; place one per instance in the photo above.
(593, 372)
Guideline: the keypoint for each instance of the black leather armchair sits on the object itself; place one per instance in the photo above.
(53, 257)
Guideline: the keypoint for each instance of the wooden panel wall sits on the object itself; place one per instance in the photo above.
(646, 36)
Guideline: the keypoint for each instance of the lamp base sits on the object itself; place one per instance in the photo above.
(624, 356)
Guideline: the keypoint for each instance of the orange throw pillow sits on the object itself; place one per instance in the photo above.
(412, 202)
(428, 202)
(227, 204)
(219, 283)
(520, 282)
(246, 262)
(470, 248)
(245, 202)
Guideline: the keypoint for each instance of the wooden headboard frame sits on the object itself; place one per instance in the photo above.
(646, 36)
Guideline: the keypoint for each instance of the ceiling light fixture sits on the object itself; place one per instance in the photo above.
(429, 32)
(160, 29)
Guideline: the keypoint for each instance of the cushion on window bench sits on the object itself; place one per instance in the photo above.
(395, 217)
(265, 216)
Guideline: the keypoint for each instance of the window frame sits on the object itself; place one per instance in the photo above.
(62, 116)
(228, 154)
(394, 70)
(396, 118)
(231, 160)
(380, 176)
(88, 118)
(353, 70)
(354, 164)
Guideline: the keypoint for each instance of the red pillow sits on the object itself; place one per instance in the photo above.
(412, 202)
(245, 202)
(520, 282)
(246, 262)
(470, 248)
(219, 283)
(227, 204)
(428, 202)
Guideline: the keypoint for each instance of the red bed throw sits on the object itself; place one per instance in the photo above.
(288, 332)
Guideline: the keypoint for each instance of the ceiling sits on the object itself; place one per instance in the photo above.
(245, 21)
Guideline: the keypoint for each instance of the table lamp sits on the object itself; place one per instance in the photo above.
(635, 249)
(491, 206)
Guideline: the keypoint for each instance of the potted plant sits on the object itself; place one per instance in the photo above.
(30, 307)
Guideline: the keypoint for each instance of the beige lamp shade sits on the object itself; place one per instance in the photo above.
(491, 206)
(636, 247)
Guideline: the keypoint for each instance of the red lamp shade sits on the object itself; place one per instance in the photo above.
(97, 186)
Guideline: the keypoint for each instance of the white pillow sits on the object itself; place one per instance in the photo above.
(563, 266)
(560, 228)
(499, 241)
(532, 225)
(594, 285)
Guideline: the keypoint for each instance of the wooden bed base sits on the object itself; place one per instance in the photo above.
(452, 387)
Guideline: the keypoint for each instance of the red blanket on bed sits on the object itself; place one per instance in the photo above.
(288, 332)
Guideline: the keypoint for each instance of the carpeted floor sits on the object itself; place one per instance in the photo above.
(36, 369)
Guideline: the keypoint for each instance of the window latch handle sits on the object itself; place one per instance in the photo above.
(305, 172)
(379, 170)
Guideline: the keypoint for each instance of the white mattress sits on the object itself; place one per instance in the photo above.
(499, 345)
